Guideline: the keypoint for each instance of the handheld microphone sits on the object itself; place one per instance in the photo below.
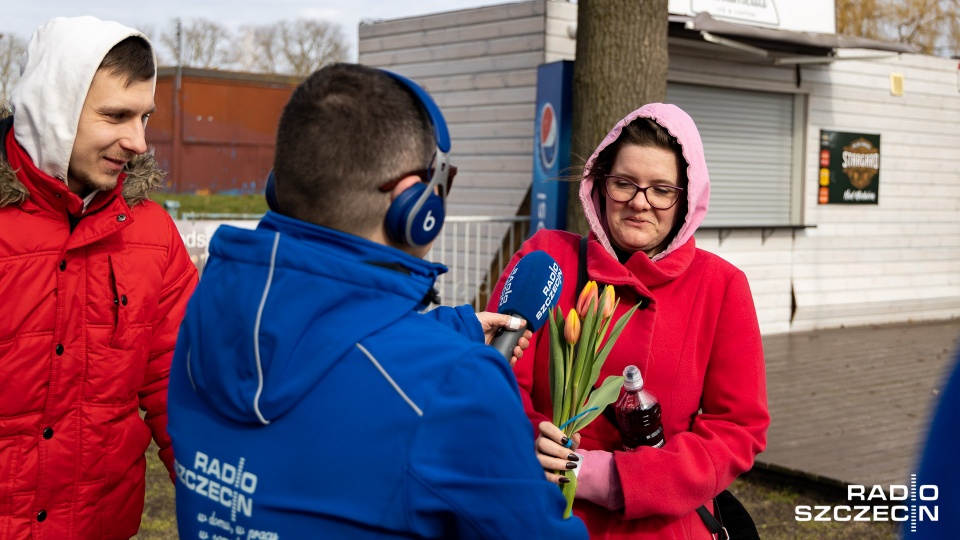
(532, 289)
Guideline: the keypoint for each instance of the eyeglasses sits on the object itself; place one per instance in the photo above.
(425, 175)
(623, 190)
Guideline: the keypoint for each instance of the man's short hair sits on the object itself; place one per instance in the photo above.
(346, 130)
(131, 58)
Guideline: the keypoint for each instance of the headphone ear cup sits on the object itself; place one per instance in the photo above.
(425, 224)
(397, 214)
(271, 193)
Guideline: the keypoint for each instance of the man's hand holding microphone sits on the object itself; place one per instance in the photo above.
(532, 289)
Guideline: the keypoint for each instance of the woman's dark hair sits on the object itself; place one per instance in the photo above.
(641, 132)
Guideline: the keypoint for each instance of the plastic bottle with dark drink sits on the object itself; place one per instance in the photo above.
(638, 413)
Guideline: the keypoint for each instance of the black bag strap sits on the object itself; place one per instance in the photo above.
(582, 268)
(713, 525)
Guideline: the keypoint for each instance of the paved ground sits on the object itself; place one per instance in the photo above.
(851, 405)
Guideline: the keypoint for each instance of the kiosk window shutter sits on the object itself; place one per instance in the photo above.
(748, 142)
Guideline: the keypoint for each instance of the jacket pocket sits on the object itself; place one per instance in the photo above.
(122, 318)
(118, 351)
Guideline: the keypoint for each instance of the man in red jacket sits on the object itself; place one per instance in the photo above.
(94, 280)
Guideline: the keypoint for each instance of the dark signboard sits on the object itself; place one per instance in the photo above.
(849, 168)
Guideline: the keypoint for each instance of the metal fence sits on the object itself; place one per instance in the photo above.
(475, 249)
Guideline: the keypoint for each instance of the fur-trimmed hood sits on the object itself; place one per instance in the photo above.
(143, 176)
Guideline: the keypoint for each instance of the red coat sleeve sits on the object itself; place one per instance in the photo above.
(179, 280)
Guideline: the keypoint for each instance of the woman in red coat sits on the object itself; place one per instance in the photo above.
(695, 339)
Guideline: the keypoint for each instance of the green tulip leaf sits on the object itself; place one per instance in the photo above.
(607, 393)
(556, 371)
(614, 334)
(569, 491)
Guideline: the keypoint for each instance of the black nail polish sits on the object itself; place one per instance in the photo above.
(571, 465)
(573, 457)
(564, 441)
(564, 480)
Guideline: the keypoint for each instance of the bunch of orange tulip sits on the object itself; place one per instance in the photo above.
(577, 353)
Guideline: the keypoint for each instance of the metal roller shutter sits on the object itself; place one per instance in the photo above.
(748, 142)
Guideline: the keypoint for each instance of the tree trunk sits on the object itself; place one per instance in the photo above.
(621, 64)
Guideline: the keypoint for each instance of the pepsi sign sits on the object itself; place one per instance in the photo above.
(551, 154)
(548, 141)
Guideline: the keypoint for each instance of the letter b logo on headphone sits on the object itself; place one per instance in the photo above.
(416, 216)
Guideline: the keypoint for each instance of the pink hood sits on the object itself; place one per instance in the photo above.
(680, 125)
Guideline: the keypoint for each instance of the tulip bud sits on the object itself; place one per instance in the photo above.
(608, 302)
(571, 328)
(587, 296)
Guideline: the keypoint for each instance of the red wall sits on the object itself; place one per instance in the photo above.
(227, 130)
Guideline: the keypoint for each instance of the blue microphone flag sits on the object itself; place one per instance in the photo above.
(532, 289)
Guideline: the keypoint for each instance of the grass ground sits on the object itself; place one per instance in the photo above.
(229, 204)
(159, 521)
(771, 503)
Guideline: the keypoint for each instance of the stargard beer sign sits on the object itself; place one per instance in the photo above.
(849, 168)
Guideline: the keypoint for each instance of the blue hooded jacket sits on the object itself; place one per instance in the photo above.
(310, 398)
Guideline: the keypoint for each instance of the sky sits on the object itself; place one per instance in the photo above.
(23, 17)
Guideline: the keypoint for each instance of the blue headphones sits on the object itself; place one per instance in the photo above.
(416, 216)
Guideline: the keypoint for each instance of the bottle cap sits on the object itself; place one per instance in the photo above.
(632, 380)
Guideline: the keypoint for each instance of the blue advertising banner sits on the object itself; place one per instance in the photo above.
(551, 146)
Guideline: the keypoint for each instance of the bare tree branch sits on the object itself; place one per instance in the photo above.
(12, 48)
(206, 44)
(297, 47)
(931, 25)
(259, 45)
(306, 45)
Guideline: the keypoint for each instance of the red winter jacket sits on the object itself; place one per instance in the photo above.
(88, 321)
(697, 343)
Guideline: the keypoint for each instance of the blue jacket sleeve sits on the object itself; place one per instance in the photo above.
(463, 319)
(485, 482)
